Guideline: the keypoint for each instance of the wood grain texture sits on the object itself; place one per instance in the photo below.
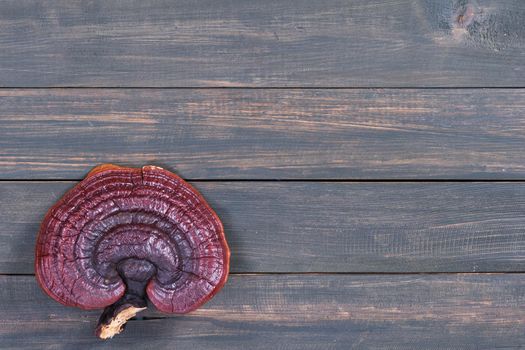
(331, 43)
(265, 134)
(327, 227)
(293, 312)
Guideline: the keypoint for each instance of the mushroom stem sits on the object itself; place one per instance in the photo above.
(114, 318)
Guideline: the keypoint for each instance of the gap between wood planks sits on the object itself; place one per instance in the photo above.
(307, 180)
(240, 87)
(357, 273)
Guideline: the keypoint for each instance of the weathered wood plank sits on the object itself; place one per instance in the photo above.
(265, 134)
(262, 43)
(294, 312)
(327, 227)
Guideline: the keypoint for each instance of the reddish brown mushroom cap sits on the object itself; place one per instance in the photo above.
(123, 230)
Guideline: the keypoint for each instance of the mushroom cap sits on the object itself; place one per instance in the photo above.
(145, 222)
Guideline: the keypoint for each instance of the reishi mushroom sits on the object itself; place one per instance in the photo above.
(124, 233)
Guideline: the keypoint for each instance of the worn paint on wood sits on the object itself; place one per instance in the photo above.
(330, 43)
(327, 227)
(265, 134)
(290, 229)
(293, 312)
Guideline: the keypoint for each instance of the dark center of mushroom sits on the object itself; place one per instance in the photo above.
(134, 255)
(136, 274)
(141, 243)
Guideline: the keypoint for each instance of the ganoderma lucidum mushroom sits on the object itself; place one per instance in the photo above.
(124, 233)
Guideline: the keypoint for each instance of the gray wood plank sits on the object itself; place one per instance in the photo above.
(358, 43)
(327, 227)
(294, 312)
(265, 134)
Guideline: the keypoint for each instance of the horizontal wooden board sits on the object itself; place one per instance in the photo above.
(327, 227)
(330, 43)
(293, 312)
(265, 134)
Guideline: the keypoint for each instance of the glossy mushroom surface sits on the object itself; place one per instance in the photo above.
(124, 233)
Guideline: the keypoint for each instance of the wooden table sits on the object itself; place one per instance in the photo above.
(367, 159)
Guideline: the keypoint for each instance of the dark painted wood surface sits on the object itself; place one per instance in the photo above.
(294, 312)
(333, 264)
(330, 43)
(266, 134)
(327, 227)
